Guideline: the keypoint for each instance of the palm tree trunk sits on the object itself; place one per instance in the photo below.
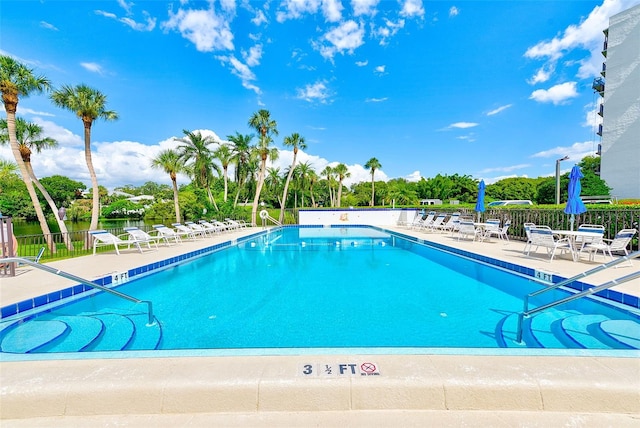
(176, 204)
(95, 205)
(211, 198)
(286, 188)
(256, 199)
(226, 185)
(339, 198)
(15, 149)
(54, 209)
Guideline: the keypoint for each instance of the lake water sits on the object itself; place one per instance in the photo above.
(22, 228)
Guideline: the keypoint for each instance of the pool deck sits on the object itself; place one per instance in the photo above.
(426, 388)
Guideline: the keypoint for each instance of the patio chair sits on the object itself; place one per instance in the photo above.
(223, 226)
(183, 230)
(598, 231)
(542, 236)
(144, 237)
(467, 228)
(617, 244)
(198, 229)
(436, 223)
(423, 221)
(527, 230)
(168, 233)
(102, 238)
(236, 223)
(451, 222)
(501, 233)
(210, 228)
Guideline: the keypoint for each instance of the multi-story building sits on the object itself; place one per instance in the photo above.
(620, 107)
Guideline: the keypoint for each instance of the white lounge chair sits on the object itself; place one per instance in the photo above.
(466, 228)
(210, 228)
(423, 221)
(144, 237)
(198, 229)
(168, 233)
(542, 236)
(235, 223)
(183, 230)
(617, 244)
(435, 223)
(450, 224)
(102, 238)
(223, 226)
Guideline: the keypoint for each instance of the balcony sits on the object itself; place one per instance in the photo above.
(599, 130)
(604, 69)
(598, 85)
(601, 110)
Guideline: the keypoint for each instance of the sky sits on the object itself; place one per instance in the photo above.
(486, 89)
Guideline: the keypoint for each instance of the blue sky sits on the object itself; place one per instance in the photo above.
(489, 89)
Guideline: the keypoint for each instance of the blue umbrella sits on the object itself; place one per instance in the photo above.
(480, 203)
(574, 203)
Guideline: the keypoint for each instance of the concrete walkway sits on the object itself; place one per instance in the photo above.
(426, 389)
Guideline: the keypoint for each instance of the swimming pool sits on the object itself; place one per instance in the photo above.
(298, 288)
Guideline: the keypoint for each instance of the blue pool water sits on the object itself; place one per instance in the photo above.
(322, 288)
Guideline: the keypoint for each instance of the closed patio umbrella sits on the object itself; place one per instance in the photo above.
(480, 203)
(574, 203)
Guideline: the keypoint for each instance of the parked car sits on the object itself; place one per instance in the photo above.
(510, 202)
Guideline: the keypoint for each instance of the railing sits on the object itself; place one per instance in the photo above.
(527, 313)
(82, 281)
(264, 216)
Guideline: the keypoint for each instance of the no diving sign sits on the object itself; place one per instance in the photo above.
(365, 368)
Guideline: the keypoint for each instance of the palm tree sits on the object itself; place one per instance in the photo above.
(303, 171)
(313, 179)
(273, 181)
(241, 156)
(225, 155)
(88, 104)
(195, 149)
(6, 169)
(266, 127)
(328, 172)
(343, 172)
(373, 164)
(29, 137)
(170, 162)
(17, 80)
(297, 142)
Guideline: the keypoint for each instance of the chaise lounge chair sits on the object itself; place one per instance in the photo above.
(102, 238)
(168, 233)
(198, 229)
(144, 237)
(617, 244)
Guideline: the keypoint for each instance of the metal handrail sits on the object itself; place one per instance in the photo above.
(526, 312)
(82, 281)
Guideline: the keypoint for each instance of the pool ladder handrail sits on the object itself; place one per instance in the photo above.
(527, 313)
(82, 281)
(264, 217)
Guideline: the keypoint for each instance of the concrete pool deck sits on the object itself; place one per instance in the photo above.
(426, 388)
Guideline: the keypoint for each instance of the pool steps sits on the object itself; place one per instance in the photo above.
(105, 330)
(569, 329)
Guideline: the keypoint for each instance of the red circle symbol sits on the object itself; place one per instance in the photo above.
(368, 367)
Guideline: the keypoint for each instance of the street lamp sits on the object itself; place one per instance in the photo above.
(558, 178)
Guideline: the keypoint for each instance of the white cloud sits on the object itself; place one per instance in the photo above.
(463, 125)
(92, 67)
(294, 9)
(415, 176)
(453, 11)
(557, 94)
(505, 168)
(499, 109)
(542, 75)
(207, 30)
(586, 35)
(252, 58)
(242, 70)
(48, 26)
(576, 152)
(260, 18)
(344, 38)
(380, 69)
(317, 91)
(412, 8)
(376, 100)
(148, 25)
(361, 63)
(387, 31)
(332, 10)
(364, 7)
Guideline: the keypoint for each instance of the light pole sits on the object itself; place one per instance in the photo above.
(558, 178)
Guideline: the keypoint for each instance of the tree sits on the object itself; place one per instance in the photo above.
(266, 127)
(242, 153)
(328, 172)
(224, 154)
(88, 104)
(303, 171)
(17, 80)
(198, 157)
(170, 162)
(62, 189)
(373, 164)
(342, 172)
(6, 168)
(29, 136)
(297, 142)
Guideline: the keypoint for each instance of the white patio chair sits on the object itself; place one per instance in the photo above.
(238, 224)
(198, 229)
(451, 222)
(102, 238)
(436, 223)
(596, 229)
(168, 233)
(183, 230)
(467, 228)
(617, 244)
(542, 236)
(210, 228)
(423, 221)
(144, 237)
(527, 231)
(501, 233)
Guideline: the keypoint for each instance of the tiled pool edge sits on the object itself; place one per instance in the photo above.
(106, 281)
